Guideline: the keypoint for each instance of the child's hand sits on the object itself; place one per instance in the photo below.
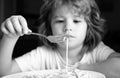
(15, 26)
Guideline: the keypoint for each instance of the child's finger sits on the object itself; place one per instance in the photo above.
(16, 25)
(3, 29)
(8, 26)
(24, 25)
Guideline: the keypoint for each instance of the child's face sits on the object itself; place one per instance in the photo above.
(63, 18)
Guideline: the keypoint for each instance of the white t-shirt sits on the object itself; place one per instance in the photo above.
(42, 58)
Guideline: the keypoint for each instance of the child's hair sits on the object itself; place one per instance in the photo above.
(88, 8)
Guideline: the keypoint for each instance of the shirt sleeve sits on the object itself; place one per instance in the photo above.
(29, 61)
(102, 52)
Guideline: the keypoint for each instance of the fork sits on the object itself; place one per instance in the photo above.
(53, 39)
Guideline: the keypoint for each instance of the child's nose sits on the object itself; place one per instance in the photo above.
(67, 29)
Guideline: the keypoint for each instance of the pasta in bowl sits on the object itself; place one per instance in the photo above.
(57, 74)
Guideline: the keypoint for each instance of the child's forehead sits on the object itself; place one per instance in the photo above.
(74, 5)
(68, 8)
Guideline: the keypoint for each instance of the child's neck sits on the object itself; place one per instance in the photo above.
(74, 55)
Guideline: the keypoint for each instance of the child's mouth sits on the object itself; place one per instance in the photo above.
(69, 36)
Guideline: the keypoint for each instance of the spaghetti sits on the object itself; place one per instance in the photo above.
(67, 41)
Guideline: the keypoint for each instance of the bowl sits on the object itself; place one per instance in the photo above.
(57, 74)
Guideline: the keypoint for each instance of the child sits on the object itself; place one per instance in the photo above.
(78, 18)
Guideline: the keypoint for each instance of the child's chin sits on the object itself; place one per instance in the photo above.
(64, 45)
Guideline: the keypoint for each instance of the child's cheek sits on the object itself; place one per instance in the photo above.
(58, 31)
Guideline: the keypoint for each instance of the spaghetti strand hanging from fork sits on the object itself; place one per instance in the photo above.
(67, 40)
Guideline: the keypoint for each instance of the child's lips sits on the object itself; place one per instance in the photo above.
(69, 36)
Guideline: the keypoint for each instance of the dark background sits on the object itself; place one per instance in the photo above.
(110, 9)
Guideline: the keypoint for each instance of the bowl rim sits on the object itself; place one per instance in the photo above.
(45, 72)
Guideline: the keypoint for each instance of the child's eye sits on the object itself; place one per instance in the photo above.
(76, 21)
(59, 21)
